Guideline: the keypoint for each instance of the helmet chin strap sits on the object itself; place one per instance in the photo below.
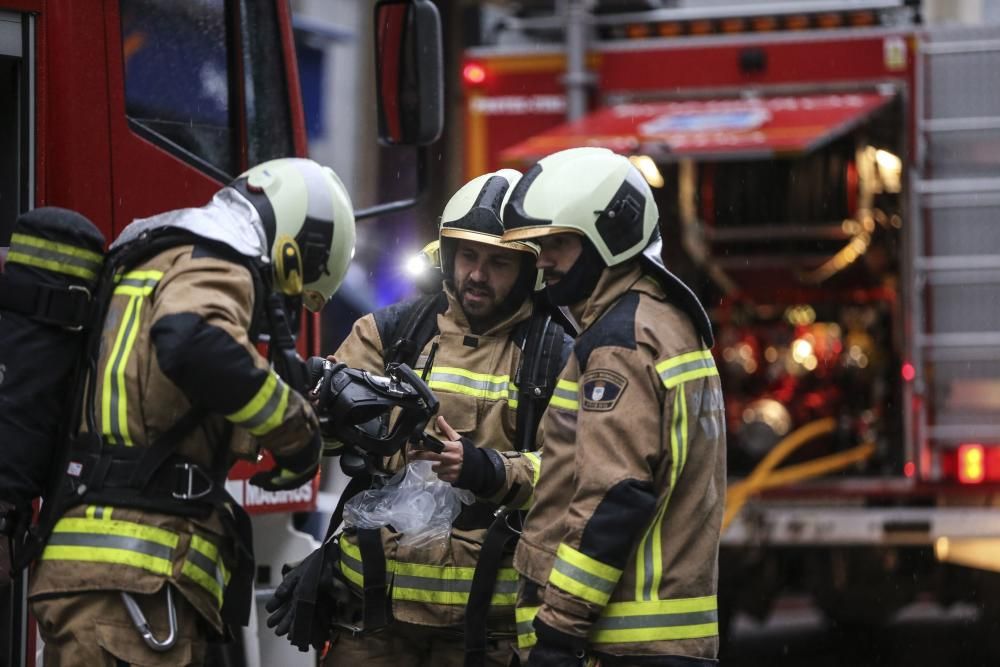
(581, 279)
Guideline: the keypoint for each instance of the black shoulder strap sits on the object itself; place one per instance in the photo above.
(412, 328)
(498, 542)
(545, 350)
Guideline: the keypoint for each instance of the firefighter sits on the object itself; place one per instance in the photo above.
(477, 329)
(619, 552)
(146, 572)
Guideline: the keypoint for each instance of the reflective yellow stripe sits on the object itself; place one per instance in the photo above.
(685, 367)
(112, 541)
(114, 397)
(512, 396)
(583, 576)
(649, 555)
(535, 460)
(265, 411)
(565, 395)
(657, 620)
(204, 566)
(350, 563)
(469, 383)
(53, 256)
(447, 584)
(435, 584)
(137, 283)
(525, 617)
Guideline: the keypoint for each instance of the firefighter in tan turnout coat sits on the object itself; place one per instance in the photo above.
(178, 349)
(620, 547)
(480, 321)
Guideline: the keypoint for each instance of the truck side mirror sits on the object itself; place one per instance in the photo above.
(409, 72)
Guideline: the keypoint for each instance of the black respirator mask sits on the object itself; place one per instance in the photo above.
(354, 407)
(581, 279)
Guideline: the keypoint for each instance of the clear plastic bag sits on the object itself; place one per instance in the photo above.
(414, 502)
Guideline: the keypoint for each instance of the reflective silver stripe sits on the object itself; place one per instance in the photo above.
(656, 620)
(526, 627)
(582, 576)
(137, 282)
(266, 411)
(484, 385)
(351, 562)
(208, 566)
(559, 392)
(50, 255)
(448, 585)
(97, 540)
(686, 367)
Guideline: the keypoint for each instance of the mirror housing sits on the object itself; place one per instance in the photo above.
(409, 70)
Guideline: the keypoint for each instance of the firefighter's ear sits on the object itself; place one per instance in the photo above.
(287, 266)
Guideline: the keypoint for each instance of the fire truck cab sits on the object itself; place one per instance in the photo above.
(122, 109)
(825, 174)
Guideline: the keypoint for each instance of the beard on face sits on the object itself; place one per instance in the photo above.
(552, 276)
(479, 307)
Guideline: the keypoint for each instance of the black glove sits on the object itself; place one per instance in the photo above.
(556, 649)
(293, 597)
(546, 655)
(482, 472)
(291, 472)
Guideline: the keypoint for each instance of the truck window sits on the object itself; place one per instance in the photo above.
(182, 91)
(14, 141)
(178, 87)
(269, 133)
(10, 186)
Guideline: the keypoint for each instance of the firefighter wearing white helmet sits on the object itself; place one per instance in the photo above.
(149, 557)
(619, 550)
(472, 335)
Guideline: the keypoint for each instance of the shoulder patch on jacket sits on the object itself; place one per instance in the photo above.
(616, 328)
(601, 389)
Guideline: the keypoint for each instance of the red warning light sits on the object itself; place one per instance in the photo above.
(909, 469)
(473, 73)
(909, 372)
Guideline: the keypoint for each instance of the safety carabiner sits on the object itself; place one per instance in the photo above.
(142, 625)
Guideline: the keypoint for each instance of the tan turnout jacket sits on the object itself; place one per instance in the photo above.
(189, 309)
(474, 378)
(620, 547)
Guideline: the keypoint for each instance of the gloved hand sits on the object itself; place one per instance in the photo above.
(556, 649)
(292, 597)
(292, 471)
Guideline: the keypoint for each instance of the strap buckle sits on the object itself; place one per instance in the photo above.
(66, 308)
(81, 307)
(192, 481)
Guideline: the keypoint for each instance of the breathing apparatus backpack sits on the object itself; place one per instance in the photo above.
(52, 269)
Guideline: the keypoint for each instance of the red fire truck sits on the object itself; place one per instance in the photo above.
(825, 174)
(125, 108)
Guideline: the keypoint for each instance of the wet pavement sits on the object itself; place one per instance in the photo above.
(922, 634)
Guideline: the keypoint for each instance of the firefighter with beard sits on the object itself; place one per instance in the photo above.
(151, 557)
(474, 332)
(619, 552)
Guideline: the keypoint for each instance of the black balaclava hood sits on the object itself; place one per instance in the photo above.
(581, 279)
